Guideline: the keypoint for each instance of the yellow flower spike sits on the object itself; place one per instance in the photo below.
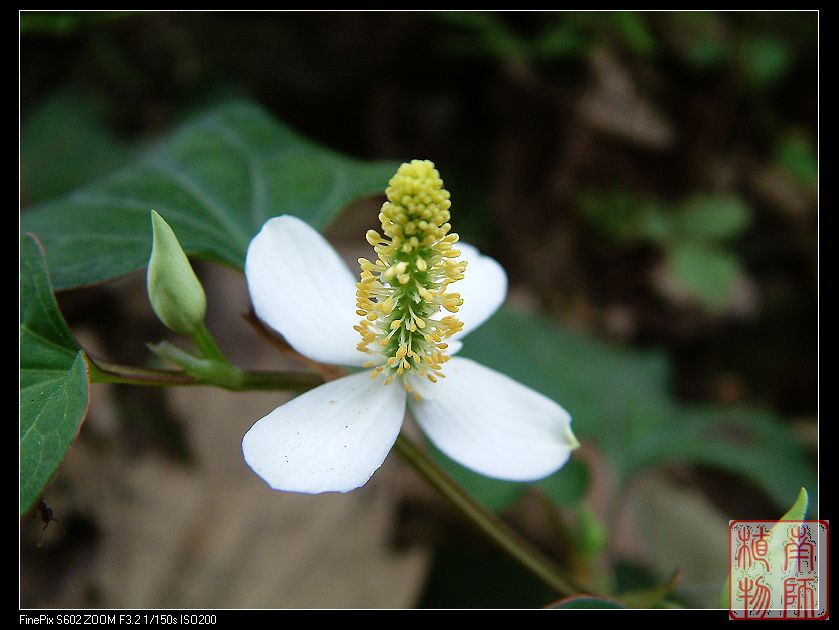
(402, 294)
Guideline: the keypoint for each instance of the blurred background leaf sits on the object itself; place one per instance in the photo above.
(764, 60)
(587, 603)
(561, 35)
(64, 22)
(691, 236)
(711, 217)
(635, 31)
(705, 272)
(625, 217)
(701, 38)
(620, 401)
(561, 38)
(565, 487)
(795, 154)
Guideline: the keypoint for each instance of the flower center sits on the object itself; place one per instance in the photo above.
(400, 294)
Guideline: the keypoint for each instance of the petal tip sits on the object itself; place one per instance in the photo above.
(571, 439)
(329, 439)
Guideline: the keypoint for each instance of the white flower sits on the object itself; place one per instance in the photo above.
(334, 437)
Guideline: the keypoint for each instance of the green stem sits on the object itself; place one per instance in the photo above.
(103, 372)
(207, 345)
(257, 380)
(246, 380)
(493, 527)
(204, 370)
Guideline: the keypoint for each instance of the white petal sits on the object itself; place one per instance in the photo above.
(492, 424)
(483, 288)
(454, 346)
(302, 289)
(330, 439)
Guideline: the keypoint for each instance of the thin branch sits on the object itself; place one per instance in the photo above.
(493, 527)
(248, 380)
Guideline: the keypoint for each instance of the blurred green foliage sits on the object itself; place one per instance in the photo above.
(795, 154)
(706, 41)
(620, 401)
(566, 487)
(587, 603)
(710, 42)
(764, 60)
(708, 273)
(692, 236)
(64, 22)
(562, 35)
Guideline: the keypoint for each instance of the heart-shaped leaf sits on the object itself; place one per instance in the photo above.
(215, 180)
(53, 378)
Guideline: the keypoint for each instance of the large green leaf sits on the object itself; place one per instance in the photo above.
(600, 385)
(215, 181)
(494, 494)
(64, 144)
(745, 440)
(53, 378)
(619, 400)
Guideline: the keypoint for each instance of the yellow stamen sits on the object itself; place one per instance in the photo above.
(400, 295)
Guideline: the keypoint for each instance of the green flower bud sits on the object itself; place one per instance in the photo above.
(175, 293)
